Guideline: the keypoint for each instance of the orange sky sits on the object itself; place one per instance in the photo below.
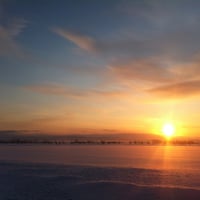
(124, 67)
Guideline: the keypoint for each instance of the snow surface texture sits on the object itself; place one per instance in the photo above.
(56, 182)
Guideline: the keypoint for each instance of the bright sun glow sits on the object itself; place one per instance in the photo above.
(168, 130)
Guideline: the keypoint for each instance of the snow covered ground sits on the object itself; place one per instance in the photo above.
(64, 182)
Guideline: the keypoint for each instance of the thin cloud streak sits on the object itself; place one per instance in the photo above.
(143, 70)
(65, 91)
(94, 45)
(84, 42)
(178, 90)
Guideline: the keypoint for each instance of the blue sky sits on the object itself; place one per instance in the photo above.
(96, 65)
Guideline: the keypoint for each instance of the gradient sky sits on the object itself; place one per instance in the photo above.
(69, 66)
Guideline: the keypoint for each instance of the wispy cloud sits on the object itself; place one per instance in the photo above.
(178, 90)
(152, 70)
(17, 26)
(102, 46)
(189, 69)
(59, 90)
(84, 42)
(154, 28)
(173, 43)
(9, 46)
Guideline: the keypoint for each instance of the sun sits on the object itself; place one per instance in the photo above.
(168, 130)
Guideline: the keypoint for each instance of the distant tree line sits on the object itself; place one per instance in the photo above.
(100, 142)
